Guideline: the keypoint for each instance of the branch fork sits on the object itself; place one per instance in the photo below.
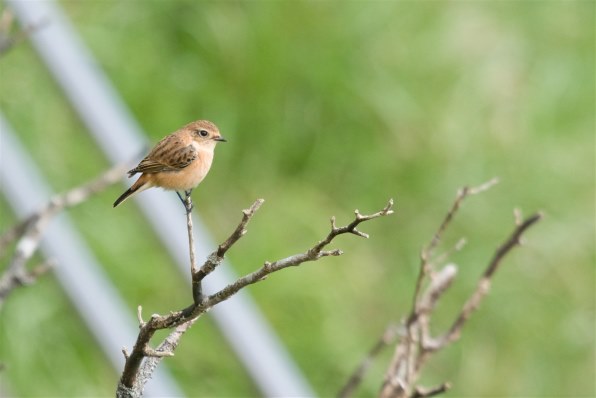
(142, 360)
(415, 343)
(29, 232)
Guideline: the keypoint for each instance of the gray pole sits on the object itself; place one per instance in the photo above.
(79, 273)
(121, 139)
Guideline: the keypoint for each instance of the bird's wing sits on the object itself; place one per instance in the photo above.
(167, 156)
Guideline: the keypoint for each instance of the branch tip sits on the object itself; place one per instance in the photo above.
(188, 315)
(421, 392)
(517, 216)
(360, 233)
(460, 244)
(336, 252)
(482, 187)
(253, 208)
(140, 316)
(150, 352)
(388, 209)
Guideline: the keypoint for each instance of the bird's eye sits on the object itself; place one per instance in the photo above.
(203, 133)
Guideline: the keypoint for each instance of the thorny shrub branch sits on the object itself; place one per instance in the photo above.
(141, 361)
(414, 341)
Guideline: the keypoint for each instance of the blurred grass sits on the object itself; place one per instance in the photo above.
(328, 107)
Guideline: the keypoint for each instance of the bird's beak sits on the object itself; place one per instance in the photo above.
(219, 138)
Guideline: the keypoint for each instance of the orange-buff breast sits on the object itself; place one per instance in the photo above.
(185, 179)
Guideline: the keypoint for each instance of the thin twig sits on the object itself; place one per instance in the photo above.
(313, 254)
(415, 344)
(426, 253)
(150, 352)
(136, 372)
(396, 385)
(420, 392)
(485, 281)
(68, 199)
(216, 258)
(140, 316)
(29, 232)
(14, 274)
(197, 289)
(425, 261)
(8, 40)
(387, 338)
(31, 276)
(15, 232)
(169, 344)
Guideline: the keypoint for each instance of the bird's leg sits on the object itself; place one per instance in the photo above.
(181, 198)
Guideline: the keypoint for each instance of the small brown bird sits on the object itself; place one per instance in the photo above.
(178, 162)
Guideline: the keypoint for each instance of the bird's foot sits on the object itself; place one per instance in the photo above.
(188, 205)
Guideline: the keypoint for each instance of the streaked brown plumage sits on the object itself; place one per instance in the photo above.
(178, 162)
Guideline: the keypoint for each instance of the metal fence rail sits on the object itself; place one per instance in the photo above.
(79, 272)
(121, 139)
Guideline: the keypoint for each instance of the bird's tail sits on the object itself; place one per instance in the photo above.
(140, 185)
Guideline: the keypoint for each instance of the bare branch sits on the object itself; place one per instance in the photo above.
(216, 258)
(150, 352)
(405, 369)
(62, 201)
(426, 254)
(439, 283)
(14, 275)
(140, 316)
(387, 338)
(457, 247)
(313, 254)
(240, 230)
(510, 243)
(8, 40)
(420, 392)
(15, 232)
(485, 281)
(426, 265)
(137, 372)
(31, 276)
(518, 216)
(30, 231)
(197, 289)
(415, 345)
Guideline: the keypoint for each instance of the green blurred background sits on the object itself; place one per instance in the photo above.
(328, 107)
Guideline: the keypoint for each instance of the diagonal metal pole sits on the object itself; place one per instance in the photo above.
(79, 273)
(121, 139)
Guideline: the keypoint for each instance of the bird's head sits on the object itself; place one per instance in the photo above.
(204, 133)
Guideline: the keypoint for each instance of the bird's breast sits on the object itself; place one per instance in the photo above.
(188, 177)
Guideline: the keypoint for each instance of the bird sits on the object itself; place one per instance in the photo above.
(179, 162)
